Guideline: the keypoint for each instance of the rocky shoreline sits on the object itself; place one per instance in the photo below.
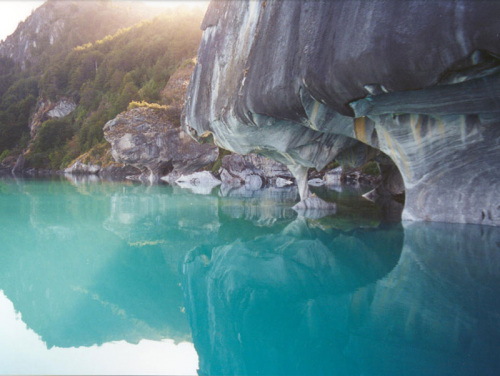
(252, 172)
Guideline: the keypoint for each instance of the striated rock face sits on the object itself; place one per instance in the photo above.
(306, 83)
(147, 139)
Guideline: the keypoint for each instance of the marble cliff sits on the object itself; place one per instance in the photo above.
(411, 85)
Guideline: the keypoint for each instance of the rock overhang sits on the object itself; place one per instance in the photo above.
(309, 82)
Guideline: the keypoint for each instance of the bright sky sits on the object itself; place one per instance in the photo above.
(13, 12)
(24, 352)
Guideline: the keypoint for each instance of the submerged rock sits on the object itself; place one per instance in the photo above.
(280, 182)
(316, 182)
(202, 182)
(306, 83)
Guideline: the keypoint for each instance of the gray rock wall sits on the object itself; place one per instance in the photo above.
(312, 81)
(148, 140)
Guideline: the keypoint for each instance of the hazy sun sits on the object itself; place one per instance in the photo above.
(13, 12)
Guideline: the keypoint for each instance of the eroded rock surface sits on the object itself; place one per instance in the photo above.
(252, 170)
(306, 83)
(202, 182)
(147, 139)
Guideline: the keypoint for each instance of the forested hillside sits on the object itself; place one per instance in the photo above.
(100, 77)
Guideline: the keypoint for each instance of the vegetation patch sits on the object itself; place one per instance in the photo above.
(127, 69)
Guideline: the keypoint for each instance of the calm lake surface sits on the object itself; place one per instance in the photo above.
(110, 278)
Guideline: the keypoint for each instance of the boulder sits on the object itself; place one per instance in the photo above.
(253, 171)
(149, 140)
(202, 182)
(253, 182)
(280, 182)
(80, 168)
(316, 182)
(334, 176)
(62, 108)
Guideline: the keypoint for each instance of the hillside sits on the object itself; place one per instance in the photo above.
(57, 26)
(72, 66)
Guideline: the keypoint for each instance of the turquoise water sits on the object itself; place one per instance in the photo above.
(116, 278)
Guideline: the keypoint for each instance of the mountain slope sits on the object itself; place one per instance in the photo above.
(94, 80)
(57, 26)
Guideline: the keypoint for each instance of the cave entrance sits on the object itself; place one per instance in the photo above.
(358, 164)
(389, 195)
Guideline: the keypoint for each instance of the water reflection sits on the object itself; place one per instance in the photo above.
(82, 271)
(348, 304)
(257, 289)
(278, 304)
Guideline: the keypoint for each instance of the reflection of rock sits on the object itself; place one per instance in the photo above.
(316, 182)
(78, 179)
(75, 282)
(262, 207)
(303, 303)
(442, 297)
(314, 207)
(270, 291)
(280, 182)
(175, 221)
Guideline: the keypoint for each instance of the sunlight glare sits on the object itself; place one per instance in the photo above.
(13, 12)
